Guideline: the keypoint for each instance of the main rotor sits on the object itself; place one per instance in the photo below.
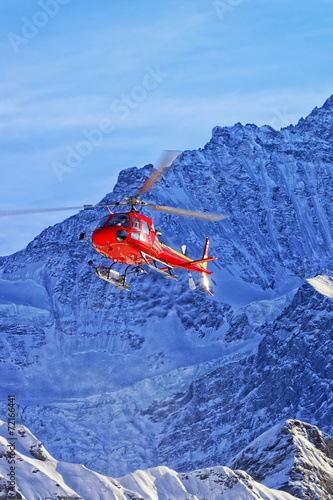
(163, 166)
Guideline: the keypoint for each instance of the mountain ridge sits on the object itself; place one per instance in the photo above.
(274, 457)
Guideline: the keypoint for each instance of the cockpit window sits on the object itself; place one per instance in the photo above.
(121, 220)
(102, 222)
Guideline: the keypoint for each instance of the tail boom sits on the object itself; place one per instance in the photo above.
(199, 265)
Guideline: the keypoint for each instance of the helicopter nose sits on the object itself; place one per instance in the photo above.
(98, 238)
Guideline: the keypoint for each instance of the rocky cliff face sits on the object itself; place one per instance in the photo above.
(164, 375)
(294, 456)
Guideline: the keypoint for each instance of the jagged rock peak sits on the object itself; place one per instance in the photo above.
(328, 104)
(326, 107)
(319, 122)
(238, 130)
(128, 183)
(294, 456)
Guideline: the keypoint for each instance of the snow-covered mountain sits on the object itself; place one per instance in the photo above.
(293, 455)
(167, 376)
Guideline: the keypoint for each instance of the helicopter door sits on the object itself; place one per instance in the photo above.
(145, 236)
(135, 228)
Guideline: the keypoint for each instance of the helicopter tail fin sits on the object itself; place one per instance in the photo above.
(205, 280)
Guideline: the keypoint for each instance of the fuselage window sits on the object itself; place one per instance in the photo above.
(121, 220)
(145, 227)
(135, 224)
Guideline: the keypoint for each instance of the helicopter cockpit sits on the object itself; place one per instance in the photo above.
(122, 220)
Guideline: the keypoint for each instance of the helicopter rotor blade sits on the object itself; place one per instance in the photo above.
(35, 210)
(162, 167)
(45, 210)
(187, 213)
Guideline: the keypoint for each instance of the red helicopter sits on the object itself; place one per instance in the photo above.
(130, 238)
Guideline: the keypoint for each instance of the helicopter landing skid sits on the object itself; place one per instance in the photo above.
(170, 276)
(167, 274)
(108, 274)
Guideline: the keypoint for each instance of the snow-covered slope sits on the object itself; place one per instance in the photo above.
(323, 283)
(293, 456)
(167, 376)
(38, 476)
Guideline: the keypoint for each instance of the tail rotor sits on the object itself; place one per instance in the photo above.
(205, 280)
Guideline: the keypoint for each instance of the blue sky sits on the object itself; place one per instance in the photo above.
(91, 88)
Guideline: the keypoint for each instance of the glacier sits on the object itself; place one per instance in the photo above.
(164, 375)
